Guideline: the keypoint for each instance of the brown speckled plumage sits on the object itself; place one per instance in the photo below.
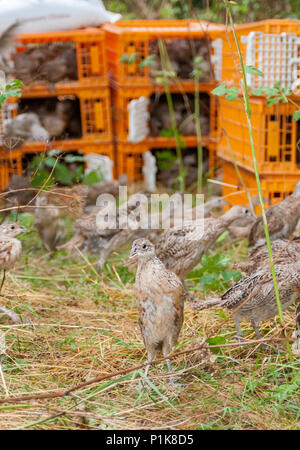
(10, 251)
(160, 299)
(283, 251)
(258, 287)
(49, 224)
(182, 249)
(282, 220)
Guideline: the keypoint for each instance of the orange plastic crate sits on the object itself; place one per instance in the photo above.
(275, 188)
(275, 135)
(264, 53)
(12, 161)
(129, 159)
(95, 107)
(95, 115)
(90, 54)
(133, 37)
(123, 95)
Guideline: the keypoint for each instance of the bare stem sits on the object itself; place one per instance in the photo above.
(248, 114)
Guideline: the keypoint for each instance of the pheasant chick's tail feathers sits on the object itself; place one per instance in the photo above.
(211, 303)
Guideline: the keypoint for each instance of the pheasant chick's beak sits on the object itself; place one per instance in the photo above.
(133, 255)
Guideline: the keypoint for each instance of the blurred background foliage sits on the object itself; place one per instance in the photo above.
(213, 10)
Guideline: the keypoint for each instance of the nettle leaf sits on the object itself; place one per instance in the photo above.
(50, 161)
(41, 178)
(254, 71)
(296, 115)
(62, 174)
(220, 90)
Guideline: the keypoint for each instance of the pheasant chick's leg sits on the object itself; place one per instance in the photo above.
(296, 334)
(256, 329)
(238, 329)
(166, 350)
(151, 357)
(190, 297)
(3, 279)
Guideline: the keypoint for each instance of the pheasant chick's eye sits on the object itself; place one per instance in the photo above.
(144, 246)
(13, 227)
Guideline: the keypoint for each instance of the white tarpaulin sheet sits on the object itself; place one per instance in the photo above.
(35, 16)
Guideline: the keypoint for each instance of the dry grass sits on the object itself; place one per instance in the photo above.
(77, 325)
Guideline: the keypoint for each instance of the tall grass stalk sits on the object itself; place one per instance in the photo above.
(198, 132)
(166, 71)
(248, 114)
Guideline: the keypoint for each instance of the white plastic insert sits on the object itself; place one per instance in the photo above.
(216, 58)
(276, 55)
(138, 120)
(101, 162)
(149, 171)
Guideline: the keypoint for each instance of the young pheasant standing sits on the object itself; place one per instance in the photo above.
(10, 251)
(282, 220)
(182, 249)
(252, 299)
(49, 224)
(160, 298)
(10, 247)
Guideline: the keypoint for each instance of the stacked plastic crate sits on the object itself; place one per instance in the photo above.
(129, 46)
(273, 47)
(90, 91)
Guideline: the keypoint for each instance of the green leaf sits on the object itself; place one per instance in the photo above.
(78, 174)
(74, 158)
(92, 177)
(17, 83)
(40, 178)
(220, 90)
(266, 90)
(254, 71)
(62, 174)
(273, 101)
(149, 61)
(132, 58)
(50, 161)
(198, 60)
(232, 94)
(124, 58)
(222, 237)
(222, 315)
(231, 97)
(217, 340)
(296, 115)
